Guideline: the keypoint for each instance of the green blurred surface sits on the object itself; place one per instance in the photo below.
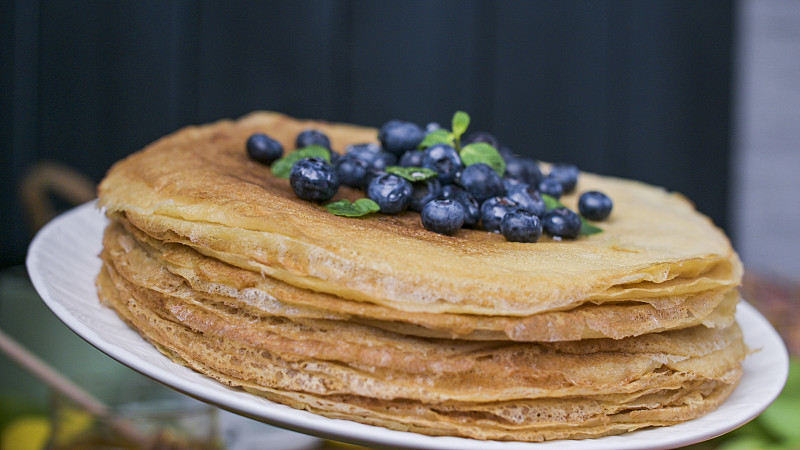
(776, 428)
(25, 317)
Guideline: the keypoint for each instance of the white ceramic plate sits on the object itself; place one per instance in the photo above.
(62, 263)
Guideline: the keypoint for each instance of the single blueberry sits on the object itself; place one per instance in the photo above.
(412, 158)
(562, 223)
(566, 174)
(363, 150)
(443, 216)
(509, 183)
(472, 208)
(351, 170)
(449, 189)
(481, 136)
(524, 169)
(552, 187)
(424, 192)
(263, 148)
(383, 159)
(391, 192)
(595, 205)
(312, 136)
(432, 126)
(493, 210)
(314, 179)
(372, 173)
(528, 199)
(373, 155)
(444, 160)
(481, 181)
(398, 136)
(521, 226)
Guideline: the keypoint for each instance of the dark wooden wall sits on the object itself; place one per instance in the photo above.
(639, 89)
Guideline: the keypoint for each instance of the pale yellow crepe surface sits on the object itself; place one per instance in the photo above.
(199, 184)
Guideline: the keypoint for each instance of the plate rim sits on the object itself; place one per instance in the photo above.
(259, 408)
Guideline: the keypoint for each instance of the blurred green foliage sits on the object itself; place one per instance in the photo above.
(777, 428)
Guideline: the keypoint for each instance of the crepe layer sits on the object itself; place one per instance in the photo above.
(198, 187)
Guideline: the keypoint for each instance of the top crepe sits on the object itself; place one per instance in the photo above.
(198, 187)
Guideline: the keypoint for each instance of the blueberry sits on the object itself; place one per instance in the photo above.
(444, 160)
(314, 179)
(562, 223)
(523, 169)
(521, 226)
(424, 192)
(412, 158)
(481, 136)
(373, 155)
(263, 148)
(398, 136)
(509, 183)
(528, 199)
(351, 170)
(432, 126)
(551, 187)
(372, 173)
(364, 150)
(481, 181)
(594, 205)
(472, 208)
(443, 216)
(311, 136)
(493, 210)
(449, 190)
(391, 192)
(566, 174)
(383, 159)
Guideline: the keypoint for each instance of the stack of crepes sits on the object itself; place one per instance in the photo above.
(374, 319)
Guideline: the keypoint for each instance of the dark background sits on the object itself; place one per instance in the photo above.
(639, 89)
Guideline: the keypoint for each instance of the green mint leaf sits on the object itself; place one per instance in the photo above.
(360, 207)
(551, 202)
(440, 136)
(460, 123)
(481, 152)
(587, 228)
(412, 174)
(282, 167)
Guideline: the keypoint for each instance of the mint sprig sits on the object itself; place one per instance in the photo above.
(460, 123)
(477, 152)
(360, 207)
(412, 174)
(587, 228)
(481, 152)
(440, 136)
(282, 167)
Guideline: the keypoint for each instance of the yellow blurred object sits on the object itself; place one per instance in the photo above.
(72, 422)
(26, 433)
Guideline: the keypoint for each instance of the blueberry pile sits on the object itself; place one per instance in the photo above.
(453, 182)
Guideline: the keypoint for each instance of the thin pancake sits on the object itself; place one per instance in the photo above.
(603, 394)
(170, 267)
(356, 359)
(199, 184)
